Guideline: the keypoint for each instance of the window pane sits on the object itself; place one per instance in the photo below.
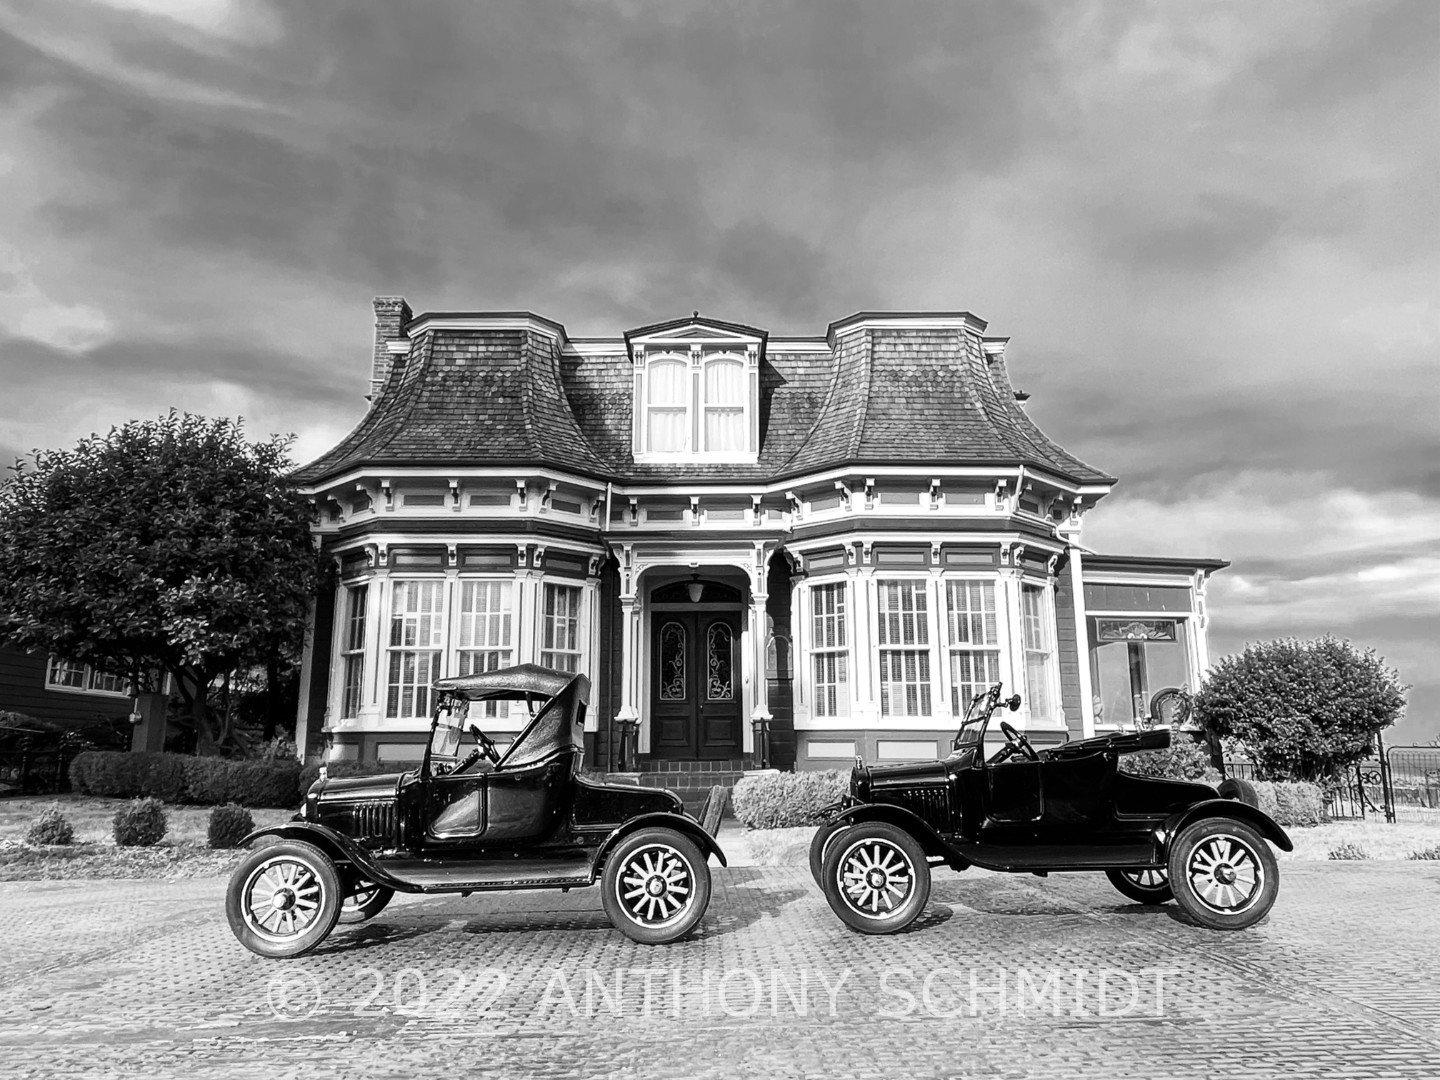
(65, 673)
(560, 641)
(972, 613)
(669, 430)
(106, 683)
(669, 382)
(725, 429)
(1035, 632)
(904, 683)
(832, 690)
(672, 662)
(725, 383)
(829, 617)
(903, 613)
(971, 674)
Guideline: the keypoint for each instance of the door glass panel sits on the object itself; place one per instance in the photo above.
(672, 662)
(719, 663)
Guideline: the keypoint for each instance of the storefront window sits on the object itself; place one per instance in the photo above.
(1132, 658)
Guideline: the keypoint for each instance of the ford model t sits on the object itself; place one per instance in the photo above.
(1024, 810)
(477, 818)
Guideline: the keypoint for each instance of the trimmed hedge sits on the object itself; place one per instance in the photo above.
(781, 800)
(181, 778)
(1291, 802)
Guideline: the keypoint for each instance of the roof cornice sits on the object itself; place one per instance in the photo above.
(907, 320)
(485, 320)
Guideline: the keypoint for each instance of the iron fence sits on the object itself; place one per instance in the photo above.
(35, 772)
(1413, 778)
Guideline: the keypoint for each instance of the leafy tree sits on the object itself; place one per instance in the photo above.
(169, 545)
(1305, 710)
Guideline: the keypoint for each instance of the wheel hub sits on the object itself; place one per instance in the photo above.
(1225, 874)
(876, 879)
(283, 899)
(655, 886)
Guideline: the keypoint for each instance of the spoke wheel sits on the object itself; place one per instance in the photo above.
(656, 886)
(1224, 874)
(876, 878)
(367, 901)
(283, 899)
(1149, 885)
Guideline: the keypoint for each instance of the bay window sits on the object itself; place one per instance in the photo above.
(560, 633)
(1039, 650)
(353, 651)
(903, 644)
(830, 652)
(415, 644)
(973, 641)
(483, 638)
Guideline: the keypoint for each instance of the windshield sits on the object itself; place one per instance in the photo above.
(972, 726)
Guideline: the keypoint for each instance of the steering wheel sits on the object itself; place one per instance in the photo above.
(487, 744)
(1018, 741)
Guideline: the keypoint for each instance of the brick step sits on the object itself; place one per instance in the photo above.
(731, 765)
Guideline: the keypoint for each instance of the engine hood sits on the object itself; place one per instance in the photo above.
(870, 781)
(357, 788)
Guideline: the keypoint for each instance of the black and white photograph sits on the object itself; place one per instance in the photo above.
(703, 538)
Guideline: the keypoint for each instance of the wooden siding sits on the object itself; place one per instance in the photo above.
(22, 689)
(1068, 651)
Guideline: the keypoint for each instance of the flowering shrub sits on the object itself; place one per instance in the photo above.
(773, 800)
(141, 824)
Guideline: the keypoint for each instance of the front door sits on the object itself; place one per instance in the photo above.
(695, 688)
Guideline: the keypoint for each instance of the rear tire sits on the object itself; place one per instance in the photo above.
(876, 878)
(1223, 873)
(819, 844)
(1148, 886)
(366, 902)
(656, 886)
(283, 899)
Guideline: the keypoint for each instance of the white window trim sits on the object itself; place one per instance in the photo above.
(1192, 647)
(496, 714)
(582, 633)
(695, 361)
(954, 647)
(845, 692)
(89, 674)
(344, 649)
(931, 647)
(1046, 589)
(387, 650)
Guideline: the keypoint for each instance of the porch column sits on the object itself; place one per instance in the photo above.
(759, 637)
(629, 662)
(1082, 645)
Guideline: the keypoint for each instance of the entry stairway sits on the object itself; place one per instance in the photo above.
(691, 780)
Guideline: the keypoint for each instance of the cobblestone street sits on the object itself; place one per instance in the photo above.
(134, 979)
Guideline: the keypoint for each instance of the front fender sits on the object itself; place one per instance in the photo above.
(340, 848)
(1262, 822)
(930, 840)
(658, 820)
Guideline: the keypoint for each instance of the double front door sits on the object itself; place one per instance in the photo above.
(695, 685)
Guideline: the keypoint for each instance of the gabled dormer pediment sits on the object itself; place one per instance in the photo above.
(697, 390)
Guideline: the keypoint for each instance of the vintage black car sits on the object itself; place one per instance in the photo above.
(519, 819)
(1067, 808)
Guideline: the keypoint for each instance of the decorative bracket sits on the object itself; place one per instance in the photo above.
(756, 514)
(452, 556)
(869, 493)
(522, 492)
(633, 513)
(547, 497)
(455, 495)
(387, 494)
(794, 503)
(695, 510)
(844, 489)
(935, 495)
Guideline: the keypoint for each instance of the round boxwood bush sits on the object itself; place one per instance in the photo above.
(50, 827)
(141, 824)
(229, 824)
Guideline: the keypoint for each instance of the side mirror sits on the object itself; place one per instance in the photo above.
(1013, 703)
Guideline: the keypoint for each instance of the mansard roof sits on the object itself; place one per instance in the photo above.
(509, 389)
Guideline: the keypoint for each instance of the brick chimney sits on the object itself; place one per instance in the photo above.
(391, 315)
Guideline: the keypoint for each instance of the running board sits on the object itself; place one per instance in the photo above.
(452, 875)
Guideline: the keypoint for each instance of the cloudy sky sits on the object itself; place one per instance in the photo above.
(1210, 228)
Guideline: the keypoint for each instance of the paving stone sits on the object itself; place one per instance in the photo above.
(128, 978)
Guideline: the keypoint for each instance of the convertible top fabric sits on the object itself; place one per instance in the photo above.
(519, 682)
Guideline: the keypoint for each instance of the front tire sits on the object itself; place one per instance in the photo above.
(283, 899)
(876, 878)
(1149, 886)
(656, 886)
(1223, 873)
(367, 901)
(819, 844)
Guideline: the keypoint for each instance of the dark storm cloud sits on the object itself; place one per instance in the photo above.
(1211, 230)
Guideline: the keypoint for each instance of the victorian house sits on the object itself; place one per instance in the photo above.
(762, 550)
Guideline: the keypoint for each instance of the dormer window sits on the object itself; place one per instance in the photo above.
(697, 392)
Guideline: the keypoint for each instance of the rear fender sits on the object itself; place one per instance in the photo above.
(341, 849)
(929, 840)
(1260, 821)
(660, 820)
